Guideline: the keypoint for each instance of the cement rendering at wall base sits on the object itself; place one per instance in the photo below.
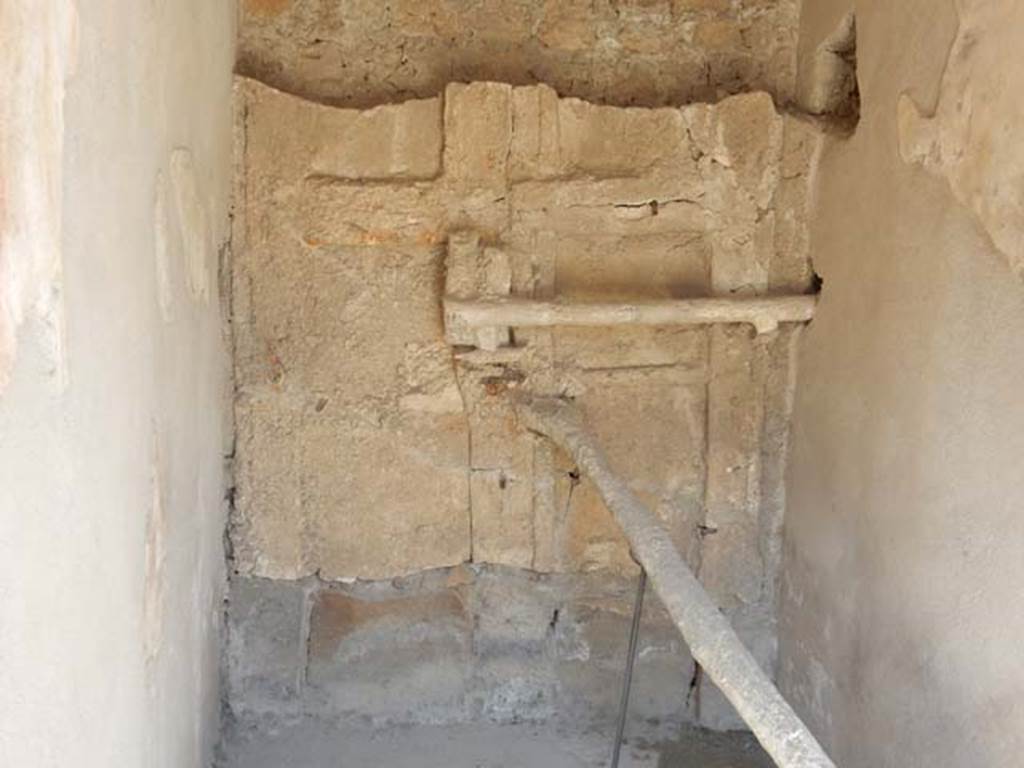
(470, 643)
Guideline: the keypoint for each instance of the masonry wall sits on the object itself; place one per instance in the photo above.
(626, 52)
(115, 138)
(369, 449)
(903, 609)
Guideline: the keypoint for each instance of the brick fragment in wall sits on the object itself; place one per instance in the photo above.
(405, 454)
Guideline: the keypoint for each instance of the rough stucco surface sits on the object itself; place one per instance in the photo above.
(368, 449)
(644, 52)
(111, 460)
(903, 612)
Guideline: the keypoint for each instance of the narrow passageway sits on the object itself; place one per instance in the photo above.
(470, 383)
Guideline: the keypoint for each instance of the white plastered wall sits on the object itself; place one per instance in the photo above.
(115, 146)
(902, 611)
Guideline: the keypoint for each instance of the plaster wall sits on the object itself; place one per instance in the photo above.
(902, 603)
(113, 420)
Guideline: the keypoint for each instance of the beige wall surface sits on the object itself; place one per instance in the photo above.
(112, 422)
(903, 597)
(369, 448)
(366, 448)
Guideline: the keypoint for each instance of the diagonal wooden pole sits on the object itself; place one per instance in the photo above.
(712, 641)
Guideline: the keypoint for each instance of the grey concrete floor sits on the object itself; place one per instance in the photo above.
(319, 745)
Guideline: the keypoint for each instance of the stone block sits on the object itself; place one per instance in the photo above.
(268, 517)
(502, 516)
(343, 213)
(536, 151)
(426, 379)
(689, 6)
(515, 615)
(266, 644)
(732, 569)
(390, 142)
(361, 368)
(511, 690)
(718, 35)
(386, 500)
(473, 272)
(742, 134)
(450, 645)
(637, 266)
(265, 316)
(288, 137)
(515, 612)
(394, 658)
(637, 420)
(364, 310)
(600, 141)
(501, 466)
(478, 134)
(594, 541)
(791, 264)
(592, 640)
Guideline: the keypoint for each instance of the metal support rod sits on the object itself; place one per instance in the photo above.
(627, 680)
(713, 642)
